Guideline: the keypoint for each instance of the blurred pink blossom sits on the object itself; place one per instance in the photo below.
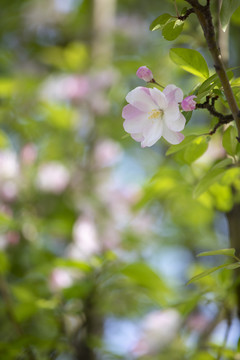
(52, 177)
(198, 322)
(188, 104)
(158, 330)
(66, 87)
(28, 154)
(13, 237)
(104, 79)
(9, 166)
(152, 113)
(106, 153)
(144, 73)
(60, 278)
(9, 190)
(118, 199)
(85, 239)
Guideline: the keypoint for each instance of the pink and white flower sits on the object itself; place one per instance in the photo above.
(188, 104)
(152, 114)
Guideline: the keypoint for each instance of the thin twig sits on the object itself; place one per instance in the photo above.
(223, 119)
(186, 15)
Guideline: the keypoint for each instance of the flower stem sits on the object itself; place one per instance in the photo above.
(155, 82)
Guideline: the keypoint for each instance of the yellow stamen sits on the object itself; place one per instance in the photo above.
(155, 114)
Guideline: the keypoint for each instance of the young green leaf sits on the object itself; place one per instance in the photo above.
(187, 115)
(70, 263)
(175, 148)
(226, 252)
(172, 29)
(229, 140)
(211, 83)
(227, 9)
(191, 61)
(195, 149)
(212, 176)
(142, 275)
(233, 266)
(159, 22)
(207, 272)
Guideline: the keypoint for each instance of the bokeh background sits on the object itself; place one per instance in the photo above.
(98, 236)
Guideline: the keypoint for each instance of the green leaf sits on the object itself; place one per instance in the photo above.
(175, 148)
(172, 29)
(5, 222)
(142, 275)
(191, 61)
(187, 115)
(227, 9)
(207, 272)
(235, 82)
(208, 83)
(4, 263)
(69, 263)
(212, 176)
(226, 252)
(229, 140)
(195, 149)
(233, 266)
(159, 22)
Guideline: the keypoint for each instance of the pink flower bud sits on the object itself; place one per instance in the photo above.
(188, 104)
(144, 73)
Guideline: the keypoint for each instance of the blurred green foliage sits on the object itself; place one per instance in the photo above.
(89, 221)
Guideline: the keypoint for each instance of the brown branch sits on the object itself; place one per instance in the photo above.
(186, 15)
(209, 105)
(205, 18)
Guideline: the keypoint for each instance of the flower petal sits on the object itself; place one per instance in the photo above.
(173, 93)
(134, 119)
(140, 98)
(176, 124)
(137, 137)
(159, 98)
(172, 137)
(171, 113)
(152, 133)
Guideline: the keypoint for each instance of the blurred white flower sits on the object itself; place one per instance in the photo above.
(9, 190)
(52, 177)
(9, 167)
(60, 278)
(85, 239)
(65, 87)
(159, 328)
(118, 199)
(28, 154)
(106, 153)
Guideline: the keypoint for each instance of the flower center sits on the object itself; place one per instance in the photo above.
(155, 114)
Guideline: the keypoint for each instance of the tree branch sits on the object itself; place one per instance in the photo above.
(205, 18)
(186, 15)
(223, 119)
